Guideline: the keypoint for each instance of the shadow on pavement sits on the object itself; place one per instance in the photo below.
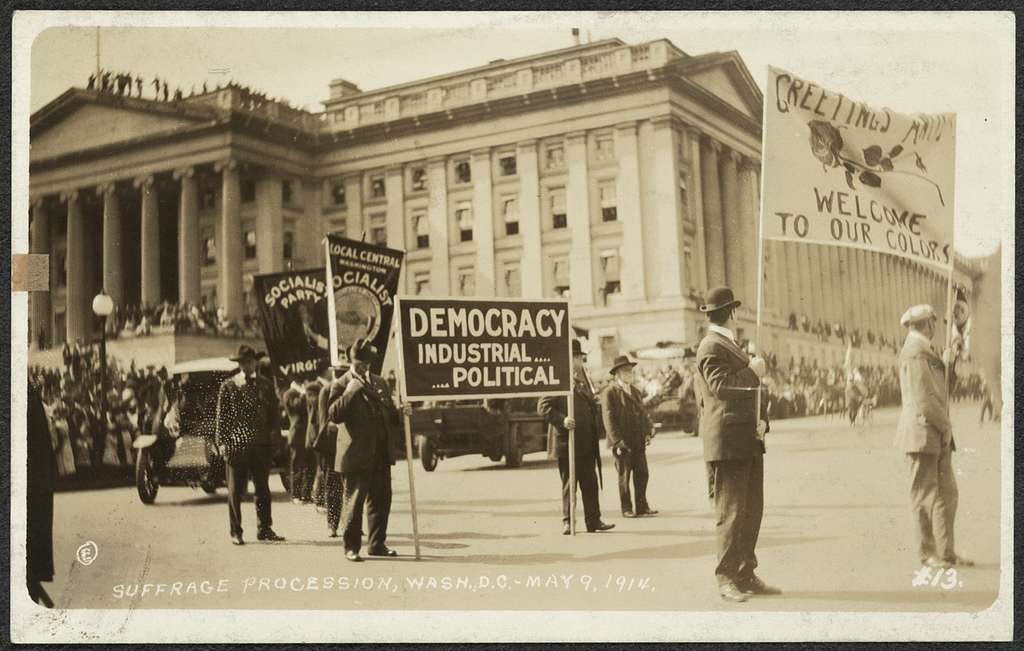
(486, 502)
(981, 599)
(527, 463)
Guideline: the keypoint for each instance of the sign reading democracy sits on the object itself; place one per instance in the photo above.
(364, 281)
(293, 312)
(455, 348)
(840, 172)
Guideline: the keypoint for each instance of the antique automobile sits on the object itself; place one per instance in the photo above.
(495, 429)
(673, 404)
(182, 451)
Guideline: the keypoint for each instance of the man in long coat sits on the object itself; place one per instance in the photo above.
(589, 431)
(300, 466)
(733, 435)
(364, 414)
(925, 435)
(629, 430)
(248, 419)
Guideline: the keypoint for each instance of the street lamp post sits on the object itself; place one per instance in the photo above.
(103, 305)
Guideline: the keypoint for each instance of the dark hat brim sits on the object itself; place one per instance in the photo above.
(622, 365)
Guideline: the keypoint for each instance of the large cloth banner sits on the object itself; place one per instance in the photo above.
(293, 312)
(840, 172)
(456, 349)
(364, 281)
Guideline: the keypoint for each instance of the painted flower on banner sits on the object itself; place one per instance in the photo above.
(827, 144)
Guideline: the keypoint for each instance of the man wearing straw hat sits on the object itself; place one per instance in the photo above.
(727, 381)
(925, 435)
(248, 417)
(629, 431)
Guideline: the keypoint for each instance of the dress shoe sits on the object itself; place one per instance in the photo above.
(269, 535)
(599, 527)
(382, 551)
(754, 585)
(332, 533)
(729, 592)
(628, 514)
(353, 556)
(566, 530)
(236, 539)
(647, 511)
(945, 564)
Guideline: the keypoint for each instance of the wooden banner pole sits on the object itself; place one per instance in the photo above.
(760, 267)
(950, 297)
(571, 412)
(407, 421)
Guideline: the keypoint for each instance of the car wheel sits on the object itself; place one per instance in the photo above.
(514, 456)
(145, 477)
(428, 457)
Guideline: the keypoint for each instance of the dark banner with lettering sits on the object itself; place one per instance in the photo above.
(293, 312)
(364, 278)
(455, 348)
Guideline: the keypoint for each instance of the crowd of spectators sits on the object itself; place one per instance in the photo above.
(127, 84)
(88, 443)
(179, 318)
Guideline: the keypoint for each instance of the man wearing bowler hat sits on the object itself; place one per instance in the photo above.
(248, 419)
(925, 435)
(629, 431)
(733, 433)
(364, 414)
(589, 429)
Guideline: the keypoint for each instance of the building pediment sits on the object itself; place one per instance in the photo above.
(724, 75)
(83, 121)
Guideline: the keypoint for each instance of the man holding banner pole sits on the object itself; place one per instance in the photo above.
(585, 428)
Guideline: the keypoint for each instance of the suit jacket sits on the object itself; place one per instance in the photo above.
(295, 405)
(727, 397)
(625, 418)
(924, 423)
(364, 416)
(247, 415)
(313, 388)
(587, 413)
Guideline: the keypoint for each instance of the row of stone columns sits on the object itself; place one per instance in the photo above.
(78, 311)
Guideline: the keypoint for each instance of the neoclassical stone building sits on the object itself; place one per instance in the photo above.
(623, 176)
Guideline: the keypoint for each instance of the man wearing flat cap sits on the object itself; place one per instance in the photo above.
(629, 431)
(589, 430)
(364, 414)
(733, 433)
(925, 435)
(248, 419)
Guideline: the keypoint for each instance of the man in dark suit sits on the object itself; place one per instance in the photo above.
(727, 382)
(364, 415)
(248, 418)
(629, 431)
(924, 433)
(589, 430)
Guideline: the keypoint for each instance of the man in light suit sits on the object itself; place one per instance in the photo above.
(925, 435)
(733, 435)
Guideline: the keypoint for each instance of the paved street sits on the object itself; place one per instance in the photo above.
(836, 536)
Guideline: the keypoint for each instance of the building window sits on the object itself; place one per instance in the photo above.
(248, 189)
(421, 228)
(377, 188)
(287, 195)
(288, 251)
(249, 242)
(462, 171)
(684, 199)
(209, 248)
(467, 282)
(558, 213)
(508, 165)
(610, 272)
(338, 193)
(418, 180)
(560, 274)
(609, 212)
(379, 230)
(421, 282)
(604, 147)
(513, 284)
(464, 220)
(554, 157)
(510, 212)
